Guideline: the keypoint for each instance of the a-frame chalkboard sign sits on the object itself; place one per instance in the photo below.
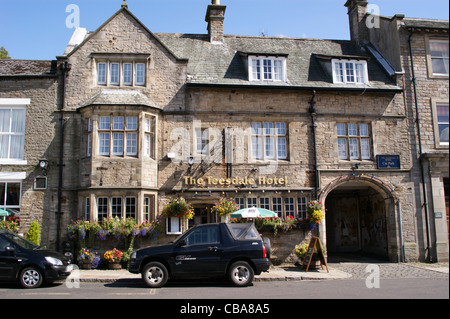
(315, 241)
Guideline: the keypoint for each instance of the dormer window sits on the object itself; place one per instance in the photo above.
(350, 72)
(267, 68)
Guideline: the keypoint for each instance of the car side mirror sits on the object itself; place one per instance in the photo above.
(10, 249)
(181, 243)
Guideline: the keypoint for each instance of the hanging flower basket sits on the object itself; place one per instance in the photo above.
(315, 212)
(225, 207)
(178, 208)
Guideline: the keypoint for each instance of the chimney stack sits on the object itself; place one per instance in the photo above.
(215, 17)
(357, 14)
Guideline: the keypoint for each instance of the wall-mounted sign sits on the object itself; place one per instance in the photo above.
(235, 181)
(388, 161)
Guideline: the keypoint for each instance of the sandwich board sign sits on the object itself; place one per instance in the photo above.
(313, 244)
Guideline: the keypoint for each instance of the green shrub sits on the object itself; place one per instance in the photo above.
(34, 233)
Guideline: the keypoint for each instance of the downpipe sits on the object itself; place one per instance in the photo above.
(419, 136)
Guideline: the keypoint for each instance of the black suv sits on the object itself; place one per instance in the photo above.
(31, 265)
(211, 250)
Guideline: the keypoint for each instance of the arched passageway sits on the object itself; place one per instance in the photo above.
(358, 213)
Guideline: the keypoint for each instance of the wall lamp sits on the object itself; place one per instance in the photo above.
(190, 162)
(43, 163)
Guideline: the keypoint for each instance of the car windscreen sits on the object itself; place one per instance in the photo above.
(242, 231)
(21, 241)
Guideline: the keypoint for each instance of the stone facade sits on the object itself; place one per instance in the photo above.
(406, 44)
(151, 117)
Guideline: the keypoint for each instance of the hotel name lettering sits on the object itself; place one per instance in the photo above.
(235, 181)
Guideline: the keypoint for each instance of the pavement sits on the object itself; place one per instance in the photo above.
(336, 271)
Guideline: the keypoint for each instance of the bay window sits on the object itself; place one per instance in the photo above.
(120, 135)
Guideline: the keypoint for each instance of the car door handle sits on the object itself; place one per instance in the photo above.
(213, 248)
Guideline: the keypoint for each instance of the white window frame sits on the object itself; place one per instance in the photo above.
(114, 73)
(264, 69)
(121, 73)
(277, 206)
(7, 181)
(269, 141)
(118, 136)
(174, 226)
(140, 78)
(437, 122)
(289, 206)
(443, 58)
(15, 104)
(127, 74)
(350, 72)
(102, 73)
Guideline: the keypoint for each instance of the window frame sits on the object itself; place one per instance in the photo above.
(116, 72)
(116, 137)
(344, 71)
(351, 136)
(4, 201)
(15, 105)
(264, 68)
(266, 140)
(436, 123)
(431, 73)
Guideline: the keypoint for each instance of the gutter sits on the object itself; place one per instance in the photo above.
(419, 136)
(365, 89)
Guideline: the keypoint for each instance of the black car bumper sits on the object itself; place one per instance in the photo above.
(133, 266)
(57, 273)
(261, 265)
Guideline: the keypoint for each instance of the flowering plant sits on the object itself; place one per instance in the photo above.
(178, 208)
(86, 256)
(113, 256)
(225, 206)
(11, 224)
(315, 212)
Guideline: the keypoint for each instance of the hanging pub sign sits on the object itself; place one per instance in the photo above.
(313, 244)
(388, 161)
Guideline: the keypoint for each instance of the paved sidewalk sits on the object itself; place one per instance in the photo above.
(275, 274)
(345, 270)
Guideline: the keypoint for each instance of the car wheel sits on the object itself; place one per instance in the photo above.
(30, 277)
(155, 275)
(241, 274)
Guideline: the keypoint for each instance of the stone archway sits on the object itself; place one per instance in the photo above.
(360, 216)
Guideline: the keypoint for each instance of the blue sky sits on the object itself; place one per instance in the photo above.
(36, 29)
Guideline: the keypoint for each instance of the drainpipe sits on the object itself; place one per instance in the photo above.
(402, 247)
(65, 71)
(422, 171)
(312, 111)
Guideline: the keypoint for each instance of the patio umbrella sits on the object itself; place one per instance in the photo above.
(4, 213)
(253, 212)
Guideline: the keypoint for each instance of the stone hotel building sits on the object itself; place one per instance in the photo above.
(127, 119)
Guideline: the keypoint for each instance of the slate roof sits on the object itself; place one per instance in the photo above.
(10, 67)
(426, 23)
(225, 64)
